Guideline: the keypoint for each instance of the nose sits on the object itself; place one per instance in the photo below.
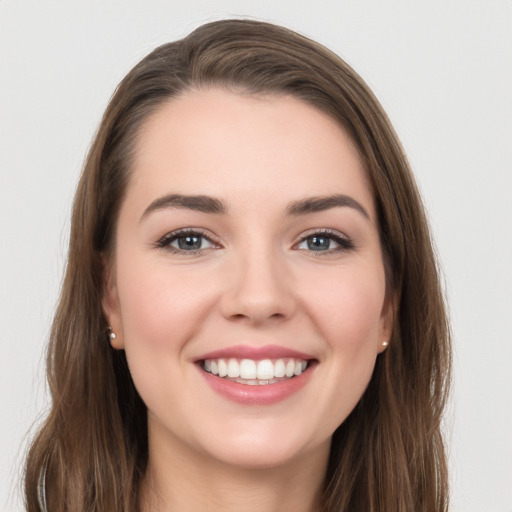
(258, 289)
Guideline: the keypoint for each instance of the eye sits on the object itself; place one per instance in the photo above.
(186, 241)
(327, 241)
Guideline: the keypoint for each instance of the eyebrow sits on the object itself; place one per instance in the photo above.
(204, 204)
(208, 204)
(322, 203)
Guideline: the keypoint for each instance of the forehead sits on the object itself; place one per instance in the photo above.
(232, 145)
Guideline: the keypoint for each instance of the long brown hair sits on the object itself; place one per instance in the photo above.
(92, 451)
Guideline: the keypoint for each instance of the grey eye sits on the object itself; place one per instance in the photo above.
(190, 242)
(318, 243)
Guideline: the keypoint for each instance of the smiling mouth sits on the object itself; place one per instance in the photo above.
(255, 372)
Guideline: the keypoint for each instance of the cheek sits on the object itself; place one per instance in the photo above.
(160, 306)
(347, 308)
(161, 309)
(347, 314)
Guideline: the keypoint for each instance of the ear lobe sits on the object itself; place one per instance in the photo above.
(387, 321)
(110, 304)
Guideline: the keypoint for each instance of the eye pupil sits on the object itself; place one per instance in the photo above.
(189, 242)
(318, 243)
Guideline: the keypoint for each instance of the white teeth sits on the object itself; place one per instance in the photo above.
(265, 369)
(251, 372)
(248, 369)
(223, 368)
(279, 368)
(290, 368)
(233, 368)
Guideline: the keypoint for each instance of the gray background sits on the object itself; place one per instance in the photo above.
(442, 70)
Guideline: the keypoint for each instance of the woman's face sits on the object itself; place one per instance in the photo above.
(247, 285)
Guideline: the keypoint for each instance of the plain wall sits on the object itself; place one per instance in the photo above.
(442, 70)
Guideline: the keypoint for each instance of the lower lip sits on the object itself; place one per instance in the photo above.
(257, 395)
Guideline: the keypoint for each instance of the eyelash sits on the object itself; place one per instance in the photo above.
(344, 243)
(166, 241)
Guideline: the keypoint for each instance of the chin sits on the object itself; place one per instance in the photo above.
(259, 451)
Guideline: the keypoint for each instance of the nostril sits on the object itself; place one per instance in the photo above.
(239, 316)
(257, 317)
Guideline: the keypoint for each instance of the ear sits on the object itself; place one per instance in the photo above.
(110, 303)
(387, 321)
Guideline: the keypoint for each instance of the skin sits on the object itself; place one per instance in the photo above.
(256, 283)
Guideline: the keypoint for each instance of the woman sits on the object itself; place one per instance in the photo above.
(248, 237)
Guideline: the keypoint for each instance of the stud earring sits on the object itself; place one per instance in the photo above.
(112, 335)
(385, 343)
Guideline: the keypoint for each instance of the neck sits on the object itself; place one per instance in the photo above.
(182, 479)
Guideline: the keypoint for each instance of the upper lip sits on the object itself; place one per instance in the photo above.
(255, 353)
